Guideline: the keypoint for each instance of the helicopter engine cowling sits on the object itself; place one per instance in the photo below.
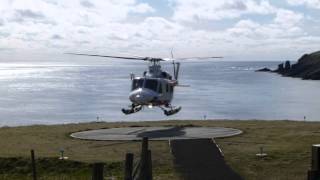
(143, 96)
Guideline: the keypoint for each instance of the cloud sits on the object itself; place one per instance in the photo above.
(288, 18)
(87, 4)
(5, 49)
(142, 8)
(131, 27)
(63, 18)
(236, 5)
(286, 23)
(192, 10)
(29, 14)
(26, 16)
(4, 34)
(308, 3)
(22, 15)
(56, 36)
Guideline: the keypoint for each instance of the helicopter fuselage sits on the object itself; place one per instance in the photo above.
(151, 91)
(154, 89)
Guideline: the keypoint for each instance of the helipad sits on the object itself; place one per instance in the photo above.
(156, 133)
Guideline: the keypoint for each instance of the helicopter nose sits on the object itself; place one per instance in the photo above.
(141, 96)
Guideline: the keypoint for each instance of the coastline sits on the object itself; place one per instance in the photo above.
(307, 67)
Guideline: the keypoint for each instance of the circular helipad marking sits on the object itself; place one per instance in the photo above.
(156, 133)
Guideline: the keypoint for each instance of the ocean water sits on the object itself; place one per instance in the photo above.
(44, 93)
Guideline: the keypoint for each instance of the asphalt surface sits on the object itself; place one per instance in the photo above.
(156, 133)
(200, 159)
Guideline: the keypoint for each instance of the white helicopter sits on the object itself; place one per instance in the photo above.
(155, 87)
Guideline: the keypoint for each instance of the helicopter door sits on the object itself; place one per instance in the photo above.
(160, 87)
(167, 91)
(169, 88)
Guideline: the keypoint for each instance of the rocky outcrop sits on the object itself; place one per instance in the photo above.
(263, 70)
(280, 68)
(307, 67)
(283, 68)
(287, 66)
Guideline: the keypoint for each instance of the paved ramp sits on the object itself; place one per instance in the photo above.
(200, 159)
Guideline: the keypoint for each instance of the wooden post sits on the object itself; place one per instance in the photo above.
(33, 163)
(144, 147)
(314, 173)
(149, 166)
(315, 161)
(143, 172)
(128, 166)
(97, 171)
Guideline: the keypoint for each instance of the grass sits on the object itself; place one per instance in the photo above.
(48, 140)
(47, 168)
(287, 144)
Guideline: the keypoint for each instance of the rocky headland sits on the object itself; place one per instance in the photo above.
(307, 67)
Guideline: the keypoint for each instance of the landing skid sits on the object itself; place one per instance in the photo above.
(171, 111)
(134, 109)
(167, 110)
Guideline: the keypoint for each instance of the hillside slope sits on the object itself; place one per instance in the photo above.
(307, 67)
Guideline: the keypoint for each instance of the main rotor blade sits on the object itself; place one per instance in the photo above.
(209, 57)
(118, 57)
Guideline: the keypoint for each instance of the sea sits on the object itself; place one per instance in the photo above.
(45, 92)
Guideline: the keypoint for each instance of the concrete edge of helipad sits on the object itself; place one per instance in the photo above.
(126, 137)
(235, 134)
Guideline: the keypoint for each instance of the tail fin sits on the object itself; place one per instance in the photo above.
(177, 68)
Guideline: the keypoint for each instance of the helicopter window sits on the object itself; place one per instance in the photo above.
(137, 83)
(151, 84)
(160, 88)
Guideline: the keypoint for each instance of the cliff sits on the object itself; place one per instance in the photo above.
(307, 67)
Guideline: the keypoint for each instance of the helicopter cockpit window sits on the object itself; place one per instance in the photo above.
(137, 83)
(151, 84)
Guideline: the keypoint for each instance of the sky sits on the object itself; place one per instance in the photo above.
(235, 29)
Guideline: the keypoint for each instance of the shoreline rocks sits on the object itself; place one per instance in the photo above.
(307, 67)
(263, 70)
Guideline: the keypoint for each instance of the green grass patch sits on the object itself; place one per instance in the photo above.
(287, 143)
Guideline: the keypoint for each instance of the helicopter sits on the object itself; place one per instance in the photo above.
(155, 87)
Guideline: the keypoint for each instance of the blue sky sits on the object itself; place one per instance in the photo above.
(236, 29)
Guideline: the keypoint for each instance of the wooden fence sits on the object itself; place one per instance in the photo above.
(141, 170)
